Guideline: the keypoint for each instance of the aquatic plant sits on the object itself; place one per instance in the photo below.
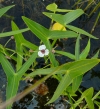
(69, 74)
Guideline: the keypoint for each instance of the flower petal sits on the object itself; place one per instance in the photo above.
(40, 54)
(46, 52)
(42, 47)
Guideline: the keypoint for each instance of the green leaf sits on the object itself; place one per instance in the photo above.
(68, 18)
(76, 83)
(77, 48)
(41, 72)
(30, 89)
(85, 52)
(96, 55)
(18, 39)
(65, 19)
(40, 31)
(73, 70)
(5, 9)
(6, 66)
(13, 80)
(57, 70)
(87, 94)
(27, 64)
(80, 31)
(61, 34)
(63, 10)
(69, 55)
(4, 51)
(20, 42)
(52, 7)
(53, 61)
(29, 45)
(13, 32)
(97, 103)
(12, 87)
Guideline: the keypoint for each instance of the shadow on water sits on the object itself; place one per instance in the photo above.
(33, 9)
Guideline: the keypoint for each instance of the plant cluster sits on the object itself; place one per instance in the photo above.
(25, 54)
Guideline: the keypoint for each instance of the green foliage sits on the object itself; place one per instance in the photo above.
(54, 8)
(13, 32)
(69, 74)
(77, 48)
(88, 97)
(4, 10)
(14, 77)
(80, 31)
(85, 52)
(67, 54)
(72, 70)
(65, 19)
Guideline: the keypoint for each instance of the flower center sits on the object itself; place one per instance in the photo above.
(43, 51)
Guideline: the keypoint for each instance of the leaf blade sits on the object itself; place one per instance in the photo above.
(18, 39)
(61, 34)
(87, 94)
(75, 69)
(69, 55)
(5, 9)
(80, 31)
(13, 32)
(11, 89)
(6, 66)
(77, 48)
(65, 19)
(85, 52)
(40, 31)
(27, 64)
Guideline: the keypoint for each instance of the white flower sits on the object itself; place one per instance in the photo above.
(43, 51)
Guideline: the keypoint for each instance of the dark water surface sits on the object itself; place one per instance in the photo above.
(33, 9)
